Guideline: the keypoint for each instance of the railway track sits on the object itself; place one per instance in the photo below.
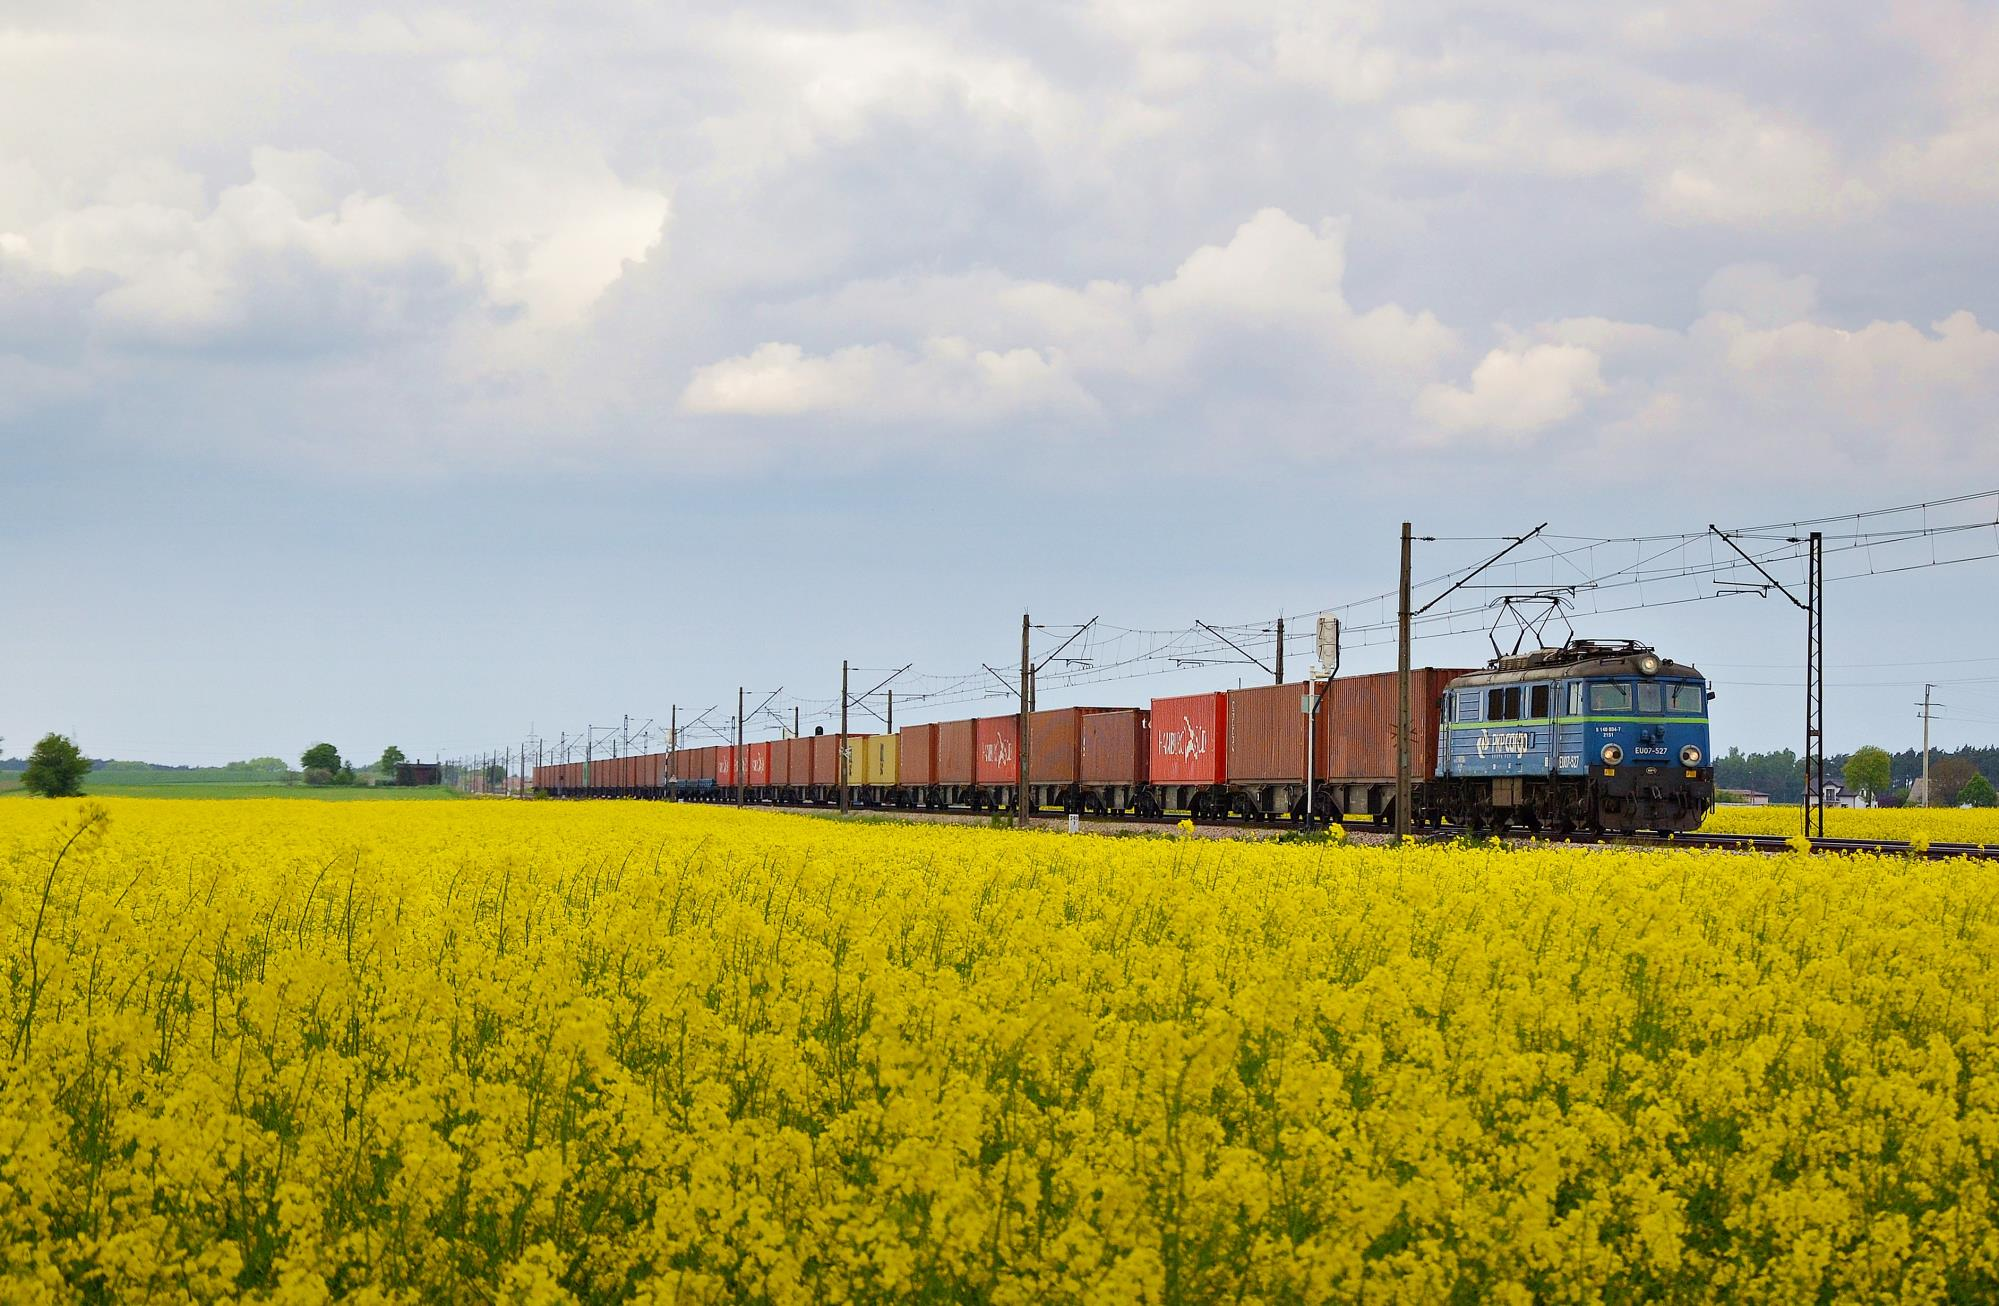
(1768, 844)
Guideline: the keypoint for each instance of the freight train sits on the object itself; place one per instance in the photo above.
(1589, 736)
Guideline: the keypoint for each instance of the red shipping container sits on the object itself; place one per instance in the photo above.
(998, 761)
(1266, 734)
(801, 760)
(725, 765)
(759, 763)
(957, 752)
(1190, 740)
(1357, 725)
(780, 762)
(1114, 747)
(1057, 755)
(917, 754)
(825, 759)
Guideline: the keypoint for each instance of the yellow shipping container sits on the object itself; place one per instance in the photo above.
(857, 758)
(879, 757)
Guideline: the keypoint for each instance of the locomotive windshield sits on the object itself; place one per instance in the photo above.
(1647, 698)
(1610, 696)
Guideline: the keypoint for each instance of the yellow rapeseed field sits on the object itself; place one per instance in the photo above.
(1979, 825)
(527, 1052)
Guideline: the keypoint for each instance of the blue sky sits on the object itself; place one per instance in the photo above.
(430, 376)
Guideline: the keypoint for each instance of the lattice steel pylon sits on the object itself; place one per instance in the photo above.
(1815, 689)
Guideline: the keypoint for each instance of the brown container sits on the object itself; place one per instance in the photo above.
(917, 764)
(1266, 734)
(957, 752)
(801, 760)
(825, 759)
(1057, 756)
(1114, 747)
(1357, 725)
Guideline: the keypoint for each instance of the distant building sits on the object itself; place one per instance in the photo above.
(1746, 797)
(419, 773)
(1836, 795)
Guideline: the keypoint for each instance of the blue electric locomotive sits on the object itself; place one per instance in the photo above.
(1590, 736)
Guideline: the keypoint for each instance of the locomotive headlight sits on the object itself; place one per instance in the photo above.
(1612, 754)
(1690, 755)
(1648, 665)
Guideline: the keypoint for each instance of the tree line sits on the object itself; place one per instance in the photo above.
(1887, 776)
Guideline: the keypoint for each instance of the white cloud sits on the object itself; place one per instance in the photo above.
(1275, 288)
(1760, 294)
(300, 245)
(1514, 392)
(948, 379)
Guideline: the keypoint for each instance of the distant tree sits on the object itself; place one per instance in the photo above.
(392, 757)
(56, 768)
(1892, 798)
(1978, 792)
(1869, 770)
(318, 775)
(259, 764)
(1947, 776)
(324, 757)
(344, 776)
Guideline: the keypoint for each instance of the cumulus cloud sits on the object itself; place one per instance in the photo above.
(1274, 288)
(556, 236)
(947, 379)
(1513, 392)
(301, 249)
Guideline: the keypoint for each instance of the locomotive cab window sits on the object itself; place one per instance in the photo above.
(1689, 698)
(1538, 702)
(1651, 698)
(1610, 696)
(1575, 698)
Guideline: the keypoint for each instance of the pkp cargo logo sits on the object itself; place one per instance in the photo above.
(1189, 741)
(1504, 741)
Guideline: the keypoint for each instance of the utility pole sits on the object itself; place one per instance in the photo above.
(1023, 807)
(840, 754)
(1927, 688)
(1813, 606)
(1402, 726)
(797, 722)
(888, 725)
(1815, 687)
(1280, 650)
(589, 746)
(626, 745)
(739, 767)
